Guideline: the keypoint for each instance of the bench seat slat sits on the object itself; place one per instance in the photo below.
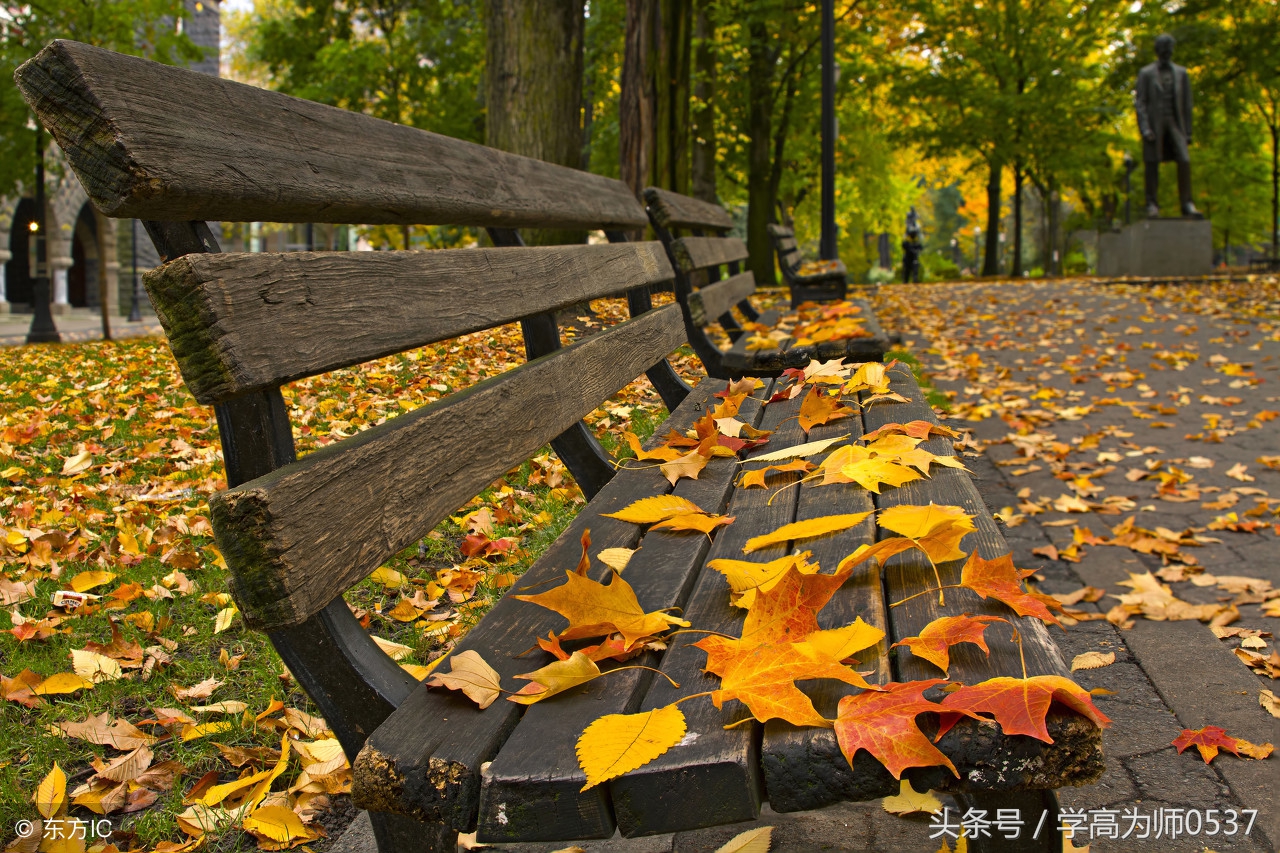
(425, 760)
(240, 322)
(532, 790)
(986, 758)
(804, 768)
(672, 210)
(707, 304)
(696, 253)
(288, 536)
(715, 778)
(157, 142)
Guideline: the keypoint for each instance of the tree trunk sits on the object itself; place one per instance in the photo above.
(759, 162)
(534, 90)
(991, 253)
(670, 70)
(1016, 270)
(704, 117)
(635, 109)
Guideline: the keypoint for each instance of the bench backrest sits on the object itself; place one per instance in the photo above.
(175, 148)
(696, 235)
(784, 241)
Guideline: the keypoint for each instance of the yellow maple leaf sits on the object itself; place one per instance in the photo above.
(653, 509)
(596, 610)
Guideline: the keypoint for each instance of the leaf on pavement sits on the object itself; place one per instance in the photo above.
(751, 841)
(1210, 739)
(1092, 660)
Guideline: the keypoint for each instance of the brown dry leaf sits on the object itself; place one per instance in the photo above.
(1269, 702)
(203, 690)
(121, 734)
(127, 767)
(1092, 660)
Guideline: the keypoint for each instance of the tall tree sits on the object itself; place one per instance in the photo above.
(534, 93)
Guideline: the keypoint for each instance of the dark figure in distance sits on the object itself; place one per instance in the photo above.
(1162, 98)
(911, 249)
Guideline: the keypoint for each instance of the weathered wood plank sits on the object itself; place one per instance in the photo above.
(672, 210)
(288, 536)
(986, 758)
(712, 302)
(715, 777)
(425, 761)
(240, 322)
(157, 142)
(532, 790)
(804, 768)
(695, 253)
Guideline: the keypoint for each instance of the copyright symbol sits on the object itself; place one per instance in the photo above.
(24, 828)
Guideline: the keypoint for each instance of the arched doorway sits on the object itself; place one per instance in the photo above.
(17, 271)
(82, 278)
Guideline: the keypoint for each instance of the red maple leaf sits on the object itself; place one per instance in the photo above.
(884, 724)
(1019, 705)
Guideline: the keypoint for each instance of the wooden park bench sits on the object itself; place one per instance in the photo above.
(813, 281)
(178, 148)
(710, 284)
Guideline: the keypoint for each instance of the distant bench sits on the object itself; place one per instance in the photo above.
(818, 281)
(696, 235)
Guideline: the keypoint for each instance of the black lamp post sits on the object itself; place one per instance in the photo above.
(43, 330)
(827, 242)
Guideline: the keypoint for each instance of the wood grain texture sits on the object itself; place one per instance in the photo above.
(157, 142)
(803, 767)
(695, 253)
(305, 533)
(710, 303)
(715, 777)
(986, 758)
(532, 790)
(425, 761)
(240, 322)
(673, 210)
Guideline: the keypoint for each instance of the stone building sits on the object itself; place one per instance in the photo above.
(81, 242)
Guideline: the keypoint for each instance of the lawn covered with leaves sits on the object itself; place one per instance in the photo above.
(132, 693)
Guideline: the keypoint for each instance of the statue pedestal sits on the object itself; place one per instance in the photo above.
(1156, 248)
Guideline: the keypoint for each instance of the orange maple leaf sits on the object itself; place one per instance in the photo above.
(1019, 705)
(1210, 739)
(596, 610)
(916, 429)
(935, 640)
(663, 452)
(756, 476)
(763, 677)
(788, 612)
(884, 724)
(820, 408)
(999, 579)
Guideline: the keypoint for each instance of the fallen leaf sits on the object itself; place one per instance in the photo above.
(619, 743)
(935, 639)
(751, 841)
(51, 793)
(1019, 705)
(806, 529)
(1092, 660)
(472, 675)
(910, 801)
(596, 610)
(884, 724)
(556, 677)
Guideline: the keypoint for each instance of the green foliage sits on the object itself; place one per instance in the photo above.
(141, 27)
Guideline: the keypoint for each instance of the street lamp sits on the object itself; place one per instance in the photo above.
(977, 260)
(43, 330)
(1129, 166)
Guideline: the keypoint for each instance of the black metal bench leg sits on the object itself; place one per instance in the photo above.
(1032, 806)
(399, 834)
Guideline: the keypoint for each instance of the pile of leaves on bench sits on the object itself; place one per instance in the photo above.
(781, 642)
(810, 323)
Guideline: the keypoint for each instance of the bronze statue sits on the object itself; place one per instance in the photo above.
(1162, 97)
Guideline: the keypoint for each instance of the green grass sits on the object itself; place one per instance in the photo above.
(936, 398)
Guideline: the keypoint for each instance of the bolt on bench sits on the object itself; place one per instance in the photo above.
(696, 235)
(177, 148)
